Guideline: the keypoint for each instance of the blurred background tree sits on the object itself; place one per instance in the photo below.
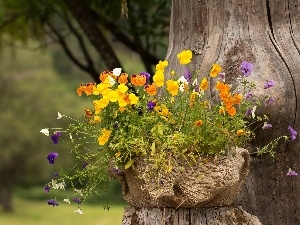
(36, 35)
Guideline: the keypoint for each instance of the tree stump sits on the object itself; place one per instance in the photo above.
(188, 216)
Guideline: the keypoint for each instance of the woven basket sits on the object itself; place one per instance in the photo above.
(211, 183)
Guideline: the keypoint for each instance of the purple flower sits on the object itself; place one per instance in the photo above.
(77, 200)
(248, 112)
(117, 171)
(84, 165)
(52, 202)
(47, 188)
(293, 133)
(291, 173)
(147, 75)
(248, 95)
(269, 83)
(151, 105)
(55, 137)
(222, 77)
(197, 88)
(187, 75)
(266, 126)
(270, 101)
(56, 174)
(246, 68)
(51, 157)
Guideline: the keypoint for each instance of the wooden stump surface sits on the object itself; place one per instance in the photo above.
(188, 216)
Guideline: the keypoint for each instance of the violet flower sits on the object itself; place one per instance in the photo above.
(147, 75)
(47, 188)
(52, 202)
(246, 68)
(248, 95)
(77, 200)
(187, 75)
(248, 112)
(51, 157)
(293, 133)
(55, 137)
(221, 77)
(151, 105)
(84, 165)
(266, 126)
(196, 88)
(270, 101)
(291, 173)
(269, 83)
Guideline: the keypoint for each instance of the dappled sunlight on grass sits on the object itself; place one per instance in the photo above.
(38, 212)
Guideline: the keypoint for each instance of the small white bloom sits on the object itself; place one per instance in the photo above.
(56, 185)
(183, 80)
(67, 200)
(181, 87)
(78, 211)
(45, 131)
(59, 116)
(111, 80)
(253, 111)
(78, 192)
(195, 82)
(117, 71)
(71, 137)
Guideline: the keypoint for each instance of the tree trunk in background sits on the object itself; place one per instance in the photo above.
(267, 34)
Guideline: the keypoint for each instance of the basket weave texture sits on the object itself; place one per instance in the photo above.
(209, 183)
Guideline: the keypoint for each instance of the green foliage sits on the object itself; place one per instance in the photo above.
(31, 94)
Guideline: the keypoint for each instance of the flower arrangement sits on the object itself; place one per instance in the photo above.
(158, 120)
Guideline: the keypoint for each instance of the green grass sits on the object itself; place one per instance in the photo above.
(39, 213)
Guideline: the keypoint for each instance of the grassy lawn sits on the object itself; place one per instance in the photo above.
(39, 213)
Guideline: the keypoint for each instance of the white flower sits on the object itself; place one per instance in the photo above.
(78, 192)
(71, 137)
(195, 82)
(117, 71)
(78, 211)
(56, 185)
(59, 115)
(67, 200)
(111, 80)
(253, 111)
(183, 80)
(45, 131)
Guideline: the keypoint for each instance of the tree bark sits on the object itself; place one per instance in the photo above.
(183, 216)
(265, 33)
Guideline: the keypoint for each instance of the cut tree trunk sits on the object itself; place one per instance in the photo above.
(265, 33)
(194, 216)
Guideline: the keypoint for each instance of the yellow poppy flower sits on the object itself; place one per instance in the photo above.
(185, 57)
(102, 140)
(133, 99)
(204, 84)
(215, 70)
(161, 65)
(172, 87)
(159, 78)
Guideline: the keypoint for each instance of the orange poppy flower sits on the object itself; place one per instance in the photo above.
(151, 89)
(123, 78)
(138, 80)
(231, 111)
